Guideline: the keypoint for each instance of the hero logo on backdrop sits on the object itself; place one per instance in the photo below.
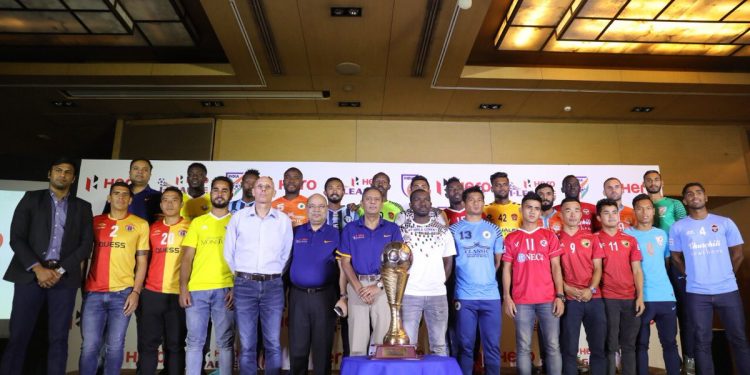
(92, 182)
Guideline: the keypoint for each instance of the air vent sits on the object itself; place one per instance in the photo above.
(346, 12)
(350, 104)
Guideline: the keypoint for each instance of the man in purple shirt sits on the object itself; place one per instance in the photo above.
(314, 290)
(362, 242)
(51, 235)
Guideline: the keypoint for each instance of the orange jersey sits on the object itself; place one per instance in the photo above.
(296, 209)
(166, 254)
(627, 218)
(115, 245)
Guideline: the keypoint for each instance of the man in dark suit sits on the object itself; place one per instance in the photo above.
(50, 235)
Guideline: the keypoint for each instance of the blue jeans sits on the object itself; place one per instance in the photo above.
(103, 323)
(526, 315)
(209, 303)
(435, 309)
(264, 299)
(687, 329)
(729, 307)
(594, 320)
(664, 314)
(487, 314)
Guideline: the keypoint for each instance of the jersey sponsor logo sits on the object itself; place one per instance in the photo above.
(714, 228)
(521, 258)
(486, 234)
(167, 250)
(111, 244)
(327, 241)
(358, 236)
(301, 240)
(213, 241)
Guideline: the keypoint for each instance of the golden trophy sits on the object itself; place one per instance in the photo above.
(395, 261)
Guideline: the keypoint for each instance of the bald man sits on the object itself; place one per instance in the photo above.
(314, 292)
(257, 247)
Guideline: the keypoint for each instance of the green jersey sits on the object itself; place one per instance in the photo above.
(389, 211)
(668, 211)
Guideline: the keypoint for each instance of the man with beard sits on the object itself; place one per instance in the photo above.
(390, 209)
(206, 282)
(257, 247)
(145, 199)
(50, 235)
(551, 219)
(197, 201)
(292, 203)
(668, 212)
(502, 212)
(338, 217)
(571, 187)
(247, 199)
(613, 191)
(456, 212)
(709, 247)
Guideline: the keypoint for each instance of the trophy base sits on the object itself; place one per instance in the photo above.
(395, 352)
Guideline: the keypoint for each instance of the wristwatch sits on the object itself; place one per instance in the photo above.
(593, 290)
(379, 284)
(560, 296)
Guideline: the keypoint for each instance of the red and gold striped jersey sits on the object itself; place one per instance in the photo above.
(115, 245)
(166, 254)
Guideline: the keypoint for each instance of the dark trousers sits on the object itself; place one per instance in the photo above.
(161, 320)
(729, 307)
(594, 320)
(28, 300)
(687, 329)
(312, 324)
(622, 331)
(664, 314)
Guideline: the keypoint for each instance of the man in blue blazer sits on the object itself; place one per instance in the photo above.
(50, 235)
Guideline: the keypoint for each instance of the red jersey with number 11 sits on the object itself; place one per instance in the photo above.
(530, 254)
(617, 274)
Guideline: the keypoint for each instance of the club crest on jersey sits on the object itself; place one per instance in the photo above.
(514, 217)
(556, 227)
(662, 211)
(521, 258)
(182, 233)
(585, 242)
(714, 228)
(486, 234)
(129, 228)
(543, 242)
(625, 243)
(660, 240)
(280, 207)
(301, 205)
(586, 211)
(391, 216)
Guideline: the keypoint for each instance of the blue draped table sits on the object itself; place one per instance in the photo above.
(428, 365)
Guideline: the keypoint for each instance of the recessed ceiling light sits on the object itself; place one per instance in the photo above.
(346, 12)
(642, 109)
(63, 103)
(350, 104)
(490, 106)
(212, 103)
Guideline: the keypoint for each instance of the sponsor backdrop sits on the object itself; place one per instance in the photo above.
(8, 202)
(97, 176)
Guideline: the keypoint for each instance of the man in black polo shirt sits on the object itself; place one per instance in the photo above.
(314, 291)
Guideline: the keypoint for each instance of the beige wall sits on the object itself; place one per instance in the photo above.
(715, 155)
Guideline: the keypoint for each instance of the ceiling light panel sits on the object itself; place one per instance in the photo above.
(678, 27)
